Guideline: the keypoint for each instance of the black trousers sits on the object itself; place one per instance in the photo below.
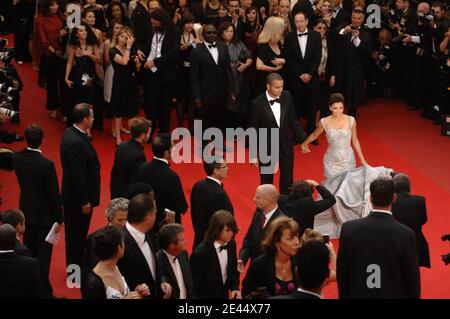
(76, 228)
(157, 100)
(34, 239)
(286, 167)
(56, 87)
(305, 99)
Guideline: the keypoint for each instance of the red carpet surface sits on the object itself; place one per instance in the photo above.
(390, 136)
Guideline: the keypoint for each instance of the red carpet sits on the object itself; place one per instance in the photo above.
(389, 135)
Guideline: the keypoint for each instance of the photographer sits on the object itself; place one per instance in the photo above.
(10, 83)
(427, 92)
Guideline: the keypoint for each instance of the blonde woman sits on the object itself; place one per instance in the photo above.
(125, 90)
(269, 52)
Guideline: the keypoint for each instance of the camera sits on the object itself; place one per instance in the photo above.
(425, 18)
(326, 239)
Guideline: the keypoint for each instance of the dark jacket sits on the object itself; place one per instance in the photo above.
(40, 199)
(207, 197)
(377, 246)
(303, 210)
(129, 157)
(262, 273)
(207, 273)
(81, 170)
(167, 187)
(19, 277)
(411, 211)
(251, 247)
(169, 275)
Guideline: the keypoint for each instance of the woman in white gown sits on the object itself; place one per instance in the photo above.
(350, 185)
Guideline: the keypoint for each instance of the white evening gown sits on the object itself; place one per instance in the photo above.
(348, 184)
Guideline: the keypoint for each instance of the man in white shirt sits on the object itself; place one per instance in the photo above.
(173, 261)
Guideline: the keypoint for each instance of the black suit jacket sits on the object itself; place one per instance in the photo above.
(19, 277)
(207, 273)
(167, 187)
(296, 63)
(262, 274)
(40, 199)
(140, 19)
(290, 132)
(251, 246)
(21, 250)
(209, 80)
(81, 170)
(411, 211)
(378, 240)
(129, 157)
(169, 275)
(304, 209)
(169, 61)
(207, 197)
(135, 269)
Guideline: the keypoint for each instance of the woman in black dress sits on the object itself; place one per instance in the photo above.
(80, 68)
(125, 90)
(269, 52)
(188, 42)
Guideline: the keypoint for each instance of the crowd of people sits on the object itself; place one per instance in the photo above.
(231, 64)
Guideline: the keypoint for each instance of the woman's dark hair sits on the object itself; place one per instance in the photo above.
(123, 18)
(223, 27)
(275, 232)
(257, 21)
(106, 241)
(44, 6)
(187, 18)
(217, 223)
(320, 21)
(110, 32)
(91, 39)
(336, 98)
(300, 189)
(312, 264)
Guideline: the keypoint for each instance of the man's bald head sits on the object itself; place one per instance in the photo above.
(7, 237)
(266, 197)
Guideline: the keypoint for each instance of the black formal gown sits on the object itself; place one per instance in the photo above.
(266, 55)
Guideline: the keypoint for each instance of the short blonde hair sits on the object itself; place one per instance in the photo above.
(273, 27)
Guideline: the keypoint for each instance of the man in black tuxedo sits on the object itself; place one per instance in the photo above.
(352, 58)
(161, 53)
(80, 182)
(411, 211)
(267, 211)
(40, 200)
(312, 269)
(129, 157)
(377, 256)
(341, 17)
(301, 205)
(208, 197)
(138, 265)
(303, 49)
(274, 109)
(166, 183)
(19, 275)
(211, 79)
(214, 262)
(173, 261)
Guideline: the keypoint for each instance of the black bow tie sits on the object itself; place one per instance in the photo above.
(302, 34)
(212, 46)
(223, 247)
(277, 100)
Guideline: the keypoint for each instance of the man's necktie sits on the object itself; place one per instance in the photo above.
(263, 221)
(212, 46)
(302, 34)
(223, 247)
(277, 100)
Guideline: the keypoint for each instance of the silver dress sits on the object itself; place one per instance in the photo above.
(348, 184)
